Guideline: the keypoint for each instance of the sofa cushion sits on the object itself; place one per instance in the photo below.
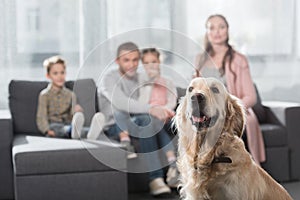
(277, 163)
(180, 92)
(42, 155)
(23, 99)
(274, 135)
(86, 93)
(259, 110)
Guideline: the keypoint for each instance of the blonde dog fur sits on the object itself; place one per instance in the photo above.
(203, 140)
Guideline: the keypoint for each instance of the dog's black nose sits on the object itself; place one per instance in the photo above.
(199, 97)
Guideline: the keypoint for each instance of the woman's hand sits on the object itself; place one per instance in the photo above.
(196, 74)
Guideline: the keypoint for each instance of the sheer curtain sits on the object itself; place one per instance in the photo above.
(266, 32)
(36, 29)
(32, 30)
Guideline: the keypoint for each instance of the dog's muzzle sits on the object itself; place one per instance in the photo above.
(199, 118)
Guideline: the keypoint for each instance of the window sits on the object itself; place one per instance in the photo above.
(33, 19)
(32, 30)
(257, 28)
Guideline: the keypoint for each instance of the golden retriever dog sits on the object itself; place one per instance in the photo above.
(212, 160)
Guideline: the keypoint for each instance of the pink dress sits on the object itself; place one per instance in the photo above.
(159, 93)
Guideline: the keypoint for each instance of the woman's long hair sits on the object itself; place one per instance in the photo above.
(209, 51)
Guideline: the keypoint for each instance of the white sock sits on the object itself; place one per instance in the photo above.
(77, 124)
(96, 126)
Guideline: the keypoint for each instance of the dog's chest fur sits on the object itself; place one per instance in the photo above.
(212, 181)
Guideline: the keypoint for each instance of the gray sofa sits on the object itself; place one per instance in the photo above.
(278, 122)
(35, 167)
(281, 132)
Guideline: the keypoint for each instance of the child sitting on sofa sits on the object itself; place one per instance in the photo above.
(160, 92)
(58, 115)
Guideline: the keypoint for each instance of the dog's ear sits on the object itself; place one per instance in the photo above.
(236, 116)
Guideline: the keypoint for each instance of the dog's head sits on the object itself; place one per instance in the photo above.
(206, 106)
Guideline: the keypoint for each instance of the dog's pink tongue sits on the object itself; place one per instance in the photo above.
(198, 119)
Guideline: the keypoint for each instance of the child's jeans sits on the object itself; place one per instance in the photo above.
(61, 130)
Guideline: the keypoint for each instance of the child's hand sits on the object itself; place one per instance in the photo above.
(51, 133)
(78, 108)
(171, 113)
(159, 112)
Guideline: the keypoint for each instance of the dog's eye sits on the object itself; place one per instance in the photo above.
(191, 89)
(215, 90)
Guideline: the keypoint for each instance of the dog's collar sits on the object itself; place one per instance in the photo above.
(221, 160)
(217, 160)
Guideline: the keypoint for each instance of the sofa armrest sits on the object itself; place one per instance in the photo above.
(288, 114)
(6, 128)
(6, 172)
(281, 109)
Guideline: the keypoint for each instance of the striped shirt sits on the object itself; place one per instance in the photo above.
(55, 106)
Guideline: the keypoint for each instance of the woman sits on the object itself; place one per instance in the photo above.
(220, 60)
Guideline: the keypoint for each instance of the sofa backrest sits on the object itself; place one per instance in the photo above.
(258, 109)
(23, 100)
(86, 93)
